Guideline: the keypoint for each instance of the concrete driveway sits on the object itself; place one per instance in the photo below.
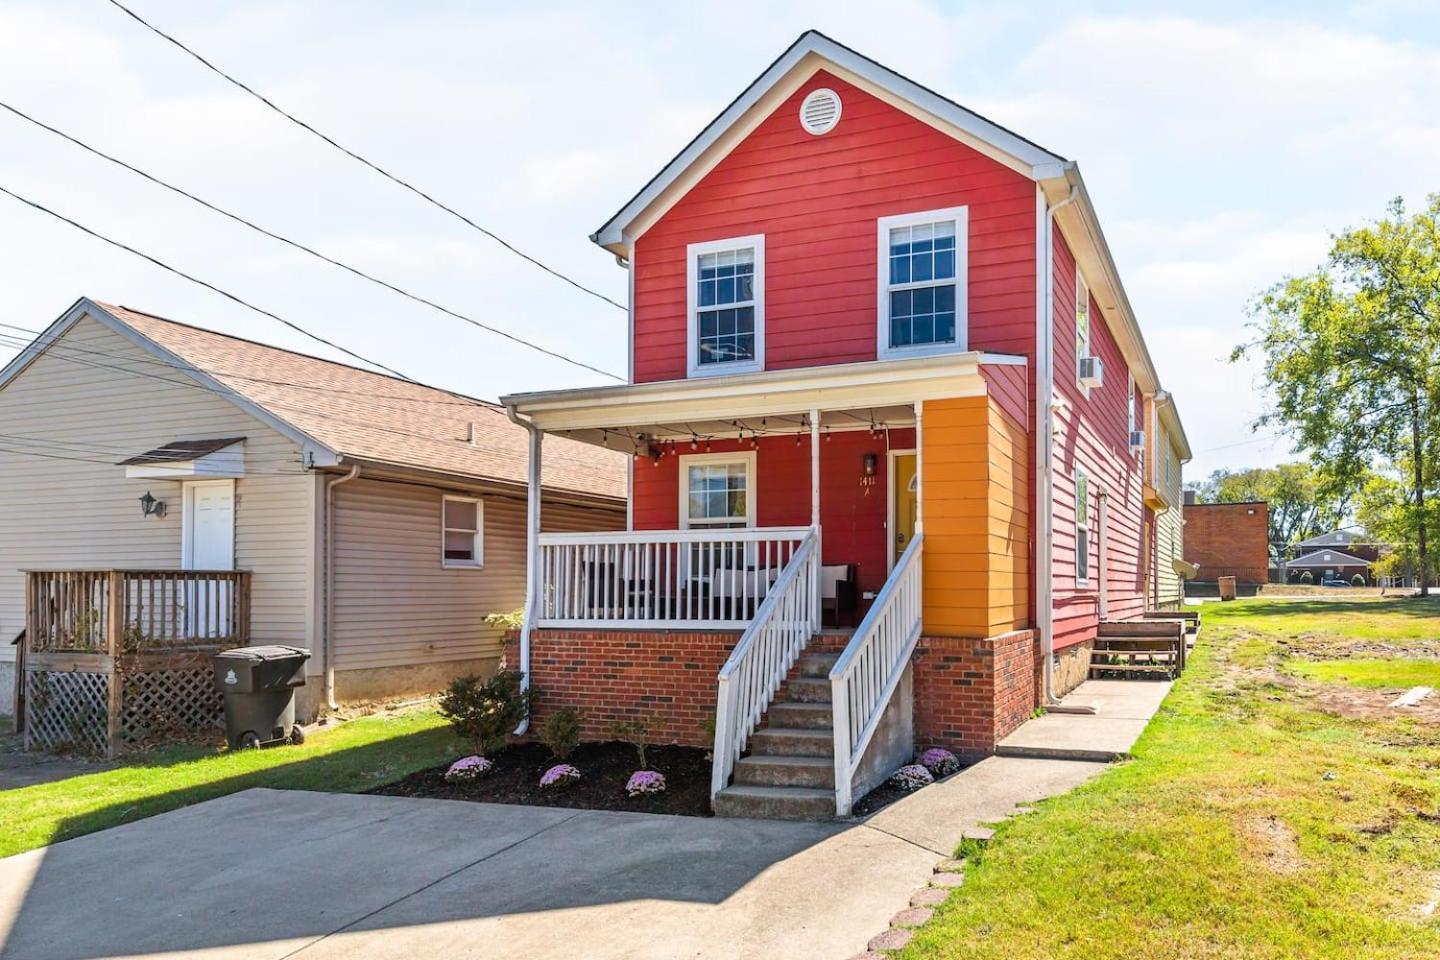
(272, 874)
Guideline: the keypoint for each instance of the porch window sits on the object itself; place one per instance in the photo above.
(1082, 528)
(922, 282)
(462, 520)
(1082, 327)
(726, 306)
(716, 491)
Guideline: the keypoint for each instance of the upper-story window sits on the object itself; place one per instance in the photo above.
(1082, 327)
(922, 266)
(726, 306)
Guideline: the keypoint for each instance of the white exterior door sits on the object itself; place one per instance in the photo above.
(208, 543)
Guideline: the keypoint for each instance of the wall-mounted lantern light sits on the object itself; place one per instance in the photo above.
(870, 463)
(150, 507)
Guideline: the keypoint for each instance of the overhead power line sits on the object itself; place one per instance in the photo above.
(295, 244)
(360, 159)
(208, 286)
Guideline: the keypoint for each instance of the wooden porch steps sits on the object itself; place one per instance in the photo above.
(1148, 648)
(789, 773)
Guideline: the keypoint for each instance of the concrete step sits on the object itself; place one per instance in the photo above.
(816, 773)
(810, 716)
(808, 690)
(817, 664)
(775, 803)
(792, 742)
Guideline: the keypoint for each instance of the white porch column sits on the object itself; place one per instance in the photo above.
(815, 616)
(919, 466)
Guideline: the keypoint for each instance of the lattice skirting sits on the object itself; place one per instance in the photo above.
(160, 703)
(67, 711)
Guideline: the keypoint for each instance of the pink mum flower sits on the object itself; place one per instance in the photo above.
(645, 781)
(940, 763)
(911, 777)
(560, 775)
(468, 768)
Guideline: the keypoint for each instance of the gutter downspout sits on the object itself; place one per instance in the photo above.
(1045, 450)
(328, 639)
(532, 553)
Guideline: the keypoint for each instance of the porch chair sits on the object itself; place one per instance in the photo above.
(839, 594)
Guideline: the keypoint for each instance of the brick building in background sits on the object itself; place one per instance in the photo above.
(1228, 540)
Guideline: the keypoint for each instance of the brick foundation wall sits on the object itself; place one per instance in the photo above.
(1228, 540)
(667, 677)
(971, 692)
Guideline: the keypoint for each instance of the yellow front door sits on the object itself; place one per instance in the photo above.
(903, 501)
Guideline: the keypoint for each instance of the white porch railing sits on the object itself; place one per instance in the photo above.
(864, 678)
(758, 664)
(661, 579)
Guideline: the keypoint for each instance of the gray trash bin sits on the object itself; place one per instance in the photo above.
(259, 686)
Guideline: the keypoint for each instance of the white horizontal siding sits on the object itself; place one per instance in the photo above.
(56, 513)
(396, 604)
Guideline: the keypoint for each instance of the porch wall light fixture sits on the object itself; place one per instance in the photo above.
(869, 463)
(150, 507)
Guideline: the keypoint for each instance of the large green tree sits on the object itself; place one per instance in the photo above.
(1352, 356)
(1301, 502)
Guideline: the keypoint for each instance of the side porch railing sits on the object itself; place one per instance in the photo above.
(114, 657)
(766, 652)
(865, 676)
(661, 579)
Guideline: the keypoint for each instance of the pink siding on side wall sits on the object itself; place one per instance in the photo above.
(816, 200)
(1093, 436)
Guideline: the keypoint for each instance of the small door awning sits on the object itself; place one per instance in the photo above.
(219, 459)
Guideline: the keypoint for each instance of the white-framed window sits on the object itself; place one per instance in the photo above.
(1082, 326)
(462, 522)
(1082, 528)
(717, 490)
(921, 282)
(1130, 401)
(726, 306)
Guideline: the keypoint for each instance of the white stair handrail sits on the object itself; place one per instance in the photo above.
(865, 676)
(760, 661)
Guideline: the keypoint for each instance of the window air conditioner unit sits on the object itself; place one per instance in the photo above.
(1137, 441)
(1092, 372)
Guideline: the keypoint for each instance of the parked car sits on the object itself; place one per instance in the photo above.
(1334, 582)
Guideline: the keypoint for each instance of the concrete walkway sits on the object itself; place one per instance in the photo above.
(1122, 710)
(276, 874)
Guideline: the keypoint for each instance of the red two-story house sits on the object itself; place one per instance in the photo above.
(886, 416)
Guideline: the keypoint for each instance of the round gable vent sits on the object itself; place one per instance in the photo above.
(820, 111)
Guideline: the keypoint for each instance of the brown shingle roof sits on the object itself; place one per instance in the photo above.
(371, 416)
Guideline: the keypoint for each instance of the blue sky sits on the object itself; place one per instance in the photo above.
(1222, 143)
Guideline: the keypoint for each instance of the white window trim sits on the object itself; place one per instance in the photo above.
(1130, 401)
(1087, 526)
(1081, 285)
(693, 253)
(479, 561)
(883, 226)
(746, 457)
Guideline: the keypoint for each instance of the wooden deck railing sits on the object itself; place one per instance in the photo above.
(117, 612)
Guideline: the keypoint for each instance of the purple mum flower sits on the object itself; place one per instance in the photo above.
(645, 781)
(468, 768)
(940, 763)
(911, 777)
(560, 775)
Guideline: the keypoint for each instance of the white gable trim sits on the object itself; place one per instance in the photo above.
(812, 52)
(1332, 558)
(315, 453)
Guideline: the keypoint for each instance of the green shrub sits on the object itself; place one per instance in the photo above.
(561, 732)
(635, 732)
(484, 712)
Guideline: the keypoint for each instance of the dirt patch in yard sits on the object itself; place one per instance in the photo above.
(1273, 843)
(604, 768)
(1366, 703)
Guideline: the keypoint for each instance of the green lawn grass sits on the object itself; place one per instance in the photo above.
(352, 757)
(1249, 824)
(1371, 673)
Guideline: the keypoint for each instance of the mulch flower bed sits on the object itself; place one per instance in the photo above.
(604, 768)
(887, 793)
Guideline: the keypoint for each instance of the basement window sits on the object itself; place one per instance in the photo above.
(463, 526)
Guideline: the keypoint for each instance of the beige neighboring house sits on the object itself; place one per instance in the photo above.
(388, 515)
